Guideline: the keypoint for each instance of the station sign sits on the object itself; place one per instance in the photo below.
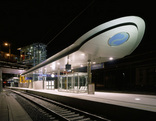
(97, 66)
(28, 78)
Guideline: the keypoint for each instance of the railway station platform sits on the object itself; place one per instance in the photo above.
(121, 106)
(11, 110)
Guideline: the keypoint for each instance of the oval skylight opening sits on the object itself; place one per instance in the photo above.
(118, 39)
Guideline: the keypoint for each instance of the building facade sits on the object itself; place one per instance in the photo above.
(33, 54)
(4, 56)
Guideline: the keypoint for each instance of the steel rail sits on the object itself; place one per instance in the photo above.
(61, 111)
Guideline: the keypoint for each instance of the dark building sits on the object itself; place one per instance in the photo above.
(132, 73)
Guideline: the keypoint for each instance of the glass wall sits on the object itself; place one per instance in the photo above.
(69, 82)
(50, 84)
(74, 82)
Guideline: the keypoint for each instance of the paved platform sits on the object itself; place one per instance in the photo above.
(136, 105)
(138, 101)
(10, 109)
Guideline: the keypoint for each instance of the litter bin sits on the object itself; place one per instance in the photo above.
(91, 88)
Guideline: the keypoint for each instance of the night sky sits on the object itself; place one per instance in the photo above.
(23, 22)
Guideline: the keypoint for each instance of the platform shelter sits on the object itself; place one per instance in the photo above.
(70, 69)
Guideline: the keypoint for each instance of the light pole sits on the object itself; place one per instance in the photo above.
(8, 44)
(20, 54)
(1, 81)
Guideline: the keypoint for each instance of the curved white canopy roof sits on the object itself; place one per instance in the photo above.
(116, 39)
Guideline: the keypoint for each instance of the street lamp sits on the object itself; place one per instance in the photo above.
(8, 44)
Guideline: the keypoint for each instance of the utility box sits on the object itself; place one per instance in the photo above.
(91, 88)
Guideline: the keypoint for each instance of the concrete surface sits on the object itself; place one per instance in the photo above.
(138, 101)
(10, 109)
(117, 106)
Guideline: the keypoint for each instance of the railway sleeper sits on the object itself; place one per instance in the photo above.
(76, 118)
(70, 116)
(85, 119)
(62, 111)
(58, 108)
(65, 114)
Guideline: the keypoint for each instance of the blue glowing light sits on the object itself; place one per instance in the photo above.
(118, 39)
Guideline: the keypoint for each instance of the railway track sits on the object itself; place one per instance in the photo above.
(55, 111)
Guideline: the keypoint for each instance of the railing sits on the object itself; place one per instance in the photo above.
(6, 64)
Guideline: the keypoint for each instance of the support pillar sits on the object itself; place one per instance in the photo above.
(91, 86)
(1, 81)
(44, 78)
(58, 78)
(33, 79)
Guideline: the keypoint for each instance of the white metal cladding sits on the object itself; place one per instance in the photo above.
(94, 44)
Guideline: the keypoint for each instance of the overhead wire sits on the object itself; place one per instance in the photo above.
(70, 22)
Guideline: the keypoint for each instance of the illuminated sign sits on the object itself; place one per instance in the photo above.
(97, 66)
(28, 78)
(118, 39)
(68, 67)
(45, 75)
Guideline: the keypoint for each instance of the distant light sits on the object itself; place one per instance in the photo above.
(111, 58)
(18, 48)
(94, 62)
(58, 63)
(53, 66)
(52, 75)
(6, 44)
(69, 70)
(83, 54)
(7, 54)
(81, 65)
(137, 99)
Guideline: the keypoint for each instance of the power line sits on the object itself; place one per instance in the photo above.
(70, 22)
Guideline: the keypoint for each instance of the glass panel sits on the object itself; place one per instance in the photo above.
(64, 83)
(50, 84)
(69, 82)
(60, 83)
(83, 83)
(76, 83)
